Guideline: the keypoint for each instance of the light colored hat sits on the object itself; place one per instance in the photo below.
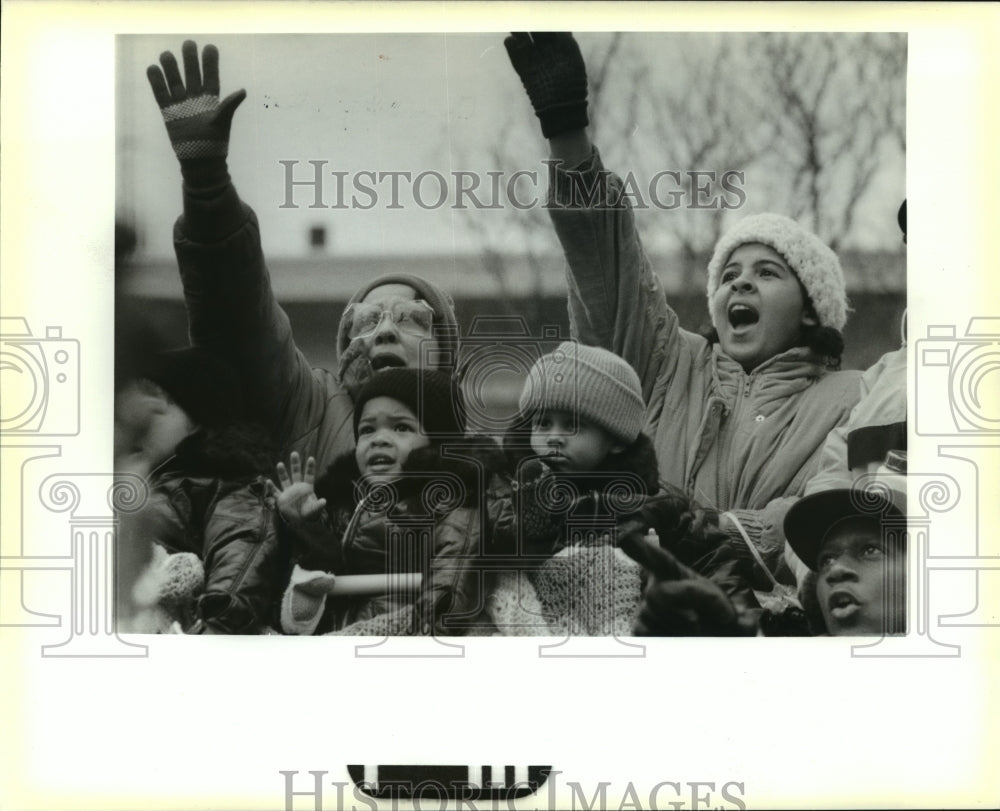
(592, 383)
(812, 260)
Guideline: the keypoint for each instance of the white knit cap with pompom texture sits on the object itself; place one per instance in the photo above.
(812, 260)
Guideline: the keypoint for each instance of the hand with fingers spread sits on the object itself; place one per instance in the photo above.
(296, 500)
(676, 601)
(197, 122)
(554, 75)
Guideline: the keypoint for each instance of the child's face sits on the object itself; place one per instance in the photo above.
(855, 567)
(759, 308)
(388, 432)
(568, 444)
(148, 428)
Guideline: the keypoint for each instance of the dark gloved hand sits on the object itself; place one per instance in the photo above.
(541, 503)
(669, 513)
(197, 122)
(553, 72)
(676, 601)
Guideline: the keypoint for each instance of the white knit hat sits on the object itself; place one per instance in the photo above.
(592, 383)
(813, 262)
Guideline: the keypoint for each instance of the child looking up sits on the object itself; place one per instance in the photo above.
(374, 512)
(853, 541)
(854, 544)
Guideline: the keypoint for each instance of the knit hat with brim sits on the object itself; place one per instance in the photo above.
(445, 324)
(432, 396)
(593, 383)
(816, 266)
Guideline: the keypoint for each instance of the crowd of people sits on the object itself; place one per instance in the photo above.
(654, 481)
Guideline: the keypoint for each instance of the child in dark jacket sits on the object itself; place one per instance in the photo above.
(178, 425)
(396, 505)
(583, 476)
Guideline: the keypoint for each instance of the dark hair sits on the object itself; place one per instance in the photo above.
(826, 342)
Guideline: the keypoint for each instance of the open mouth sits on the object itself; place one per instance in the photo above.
(843, 605)
(380, 461)
(742, 315)
(386, 361)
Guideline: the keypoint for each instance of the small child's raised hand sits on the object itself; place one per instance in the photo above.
(296, 499)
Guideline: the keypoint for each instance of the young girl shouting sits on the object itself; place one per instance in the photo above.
(738, 420)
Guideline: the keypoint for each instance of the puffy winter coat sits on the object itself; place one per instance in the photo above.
(553, 518)
(232, 311)
(210, 498)
(427, 521)
(732, 440)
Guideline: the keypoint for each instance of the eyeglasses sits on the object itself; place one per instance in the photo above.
(413, 317)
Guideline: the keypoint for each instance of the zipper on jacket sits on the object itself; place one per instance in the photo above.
(352, 524)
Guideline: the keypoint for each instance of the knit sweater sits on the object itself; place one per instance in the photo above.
(582, 591)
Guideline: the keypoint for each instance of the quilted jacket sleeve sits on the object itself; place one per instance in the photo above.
(452, 598)
(616, 300)
(232, 310)
(242, 562)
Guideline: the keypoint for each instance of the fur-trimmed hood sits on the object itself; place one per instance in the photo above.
(470, 459)
(237, 451)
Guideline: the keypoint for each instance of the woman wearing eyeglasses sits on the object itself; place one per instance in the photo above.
(396, 320)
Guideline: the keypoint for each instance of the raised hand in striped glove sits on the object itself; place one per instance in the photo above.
(197, 122)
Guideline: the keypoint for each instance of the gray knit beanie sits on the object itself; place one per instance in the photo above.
(592, 383)
(812, 260)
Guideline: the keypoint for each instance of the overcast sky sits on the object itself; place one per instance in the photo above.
(360, 102)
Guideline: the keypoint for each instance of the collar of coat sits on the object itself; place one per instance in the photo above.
(779, 377)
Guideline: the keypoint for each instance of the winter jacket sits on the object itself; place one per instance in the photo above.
(427, 521)
(210, 498)
(876, 425)
(232, 310)
(732, 440)
(560, 533)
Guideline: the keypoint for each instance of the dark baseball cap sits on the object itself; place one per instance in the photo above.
(811, 518)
